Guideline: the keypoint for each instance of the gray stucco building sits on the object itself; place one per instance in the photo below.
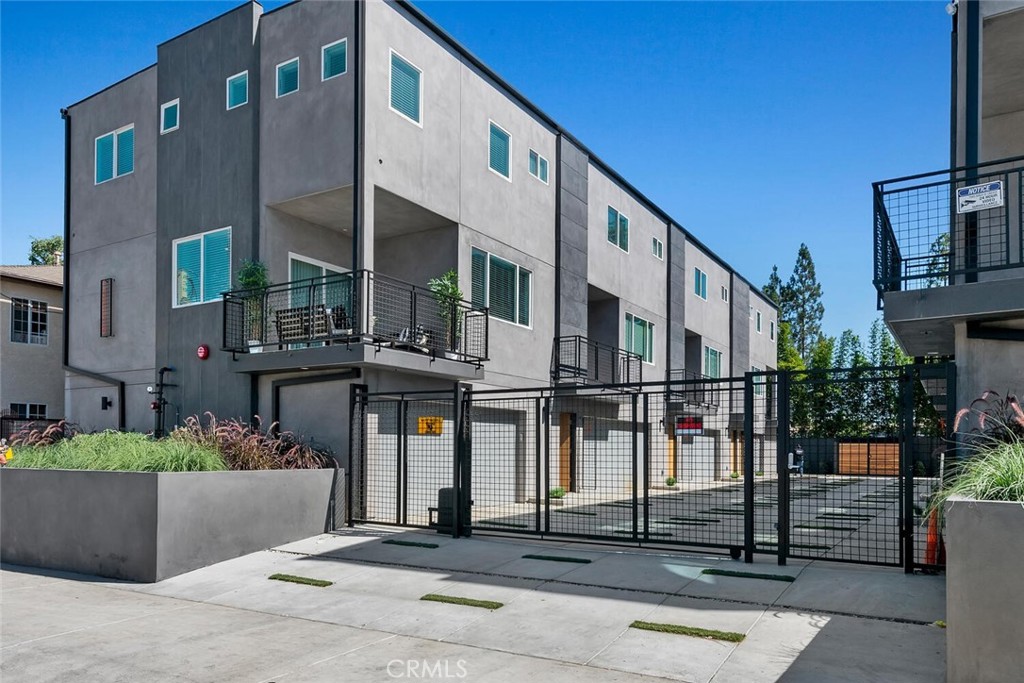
(359, 152)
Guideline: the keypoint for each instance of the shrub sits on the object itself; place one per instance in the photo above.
(993, 473)
(670, 481)
(557, 492)
(118, 451)
(43, 435)
(991, 417)
(245, 447)
(759, 473)
(735, 475)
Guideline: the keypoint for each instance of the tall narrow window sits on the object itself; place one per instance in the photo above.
(106, 301)
(115, 154)
(640, 337)
(287, 77)
(238, 90)
(498, 150)
(538, 167)
(202, 267)
(618, 229)
(757, 322)
(406, 88)
(501, 286)
(657, 248)
(335, 59)
(771, 329)
(712, 362)
(758, 381)
(700, 283)
(725, 294)
(168, 117)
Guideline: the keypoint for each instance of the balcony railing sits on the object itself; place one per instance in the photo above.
(358, 307)
(692, 387)
(946, 227)
(578, 360)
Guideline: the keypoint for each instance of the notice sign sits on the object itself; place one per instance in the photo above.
(979, 197)
(689, 426)
(430, 425)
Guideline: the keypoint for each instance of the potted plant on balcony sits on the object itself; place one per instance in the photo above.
(448, 296)
(253, 278)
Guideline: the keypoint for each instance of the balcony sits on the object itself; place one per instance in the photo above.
(347, 310)
(693, 388)
(949, 227)
(582, 361)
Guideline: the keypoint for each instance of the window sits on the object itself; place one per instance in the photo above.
(725, 294)
(106, 301)
(168, 117)
(115, 154)
(238, 90)
(334, 58)
(28, 411)
(640, 337)
(700, 283)
(538, 167)
(750, 312)
(406, 88)
(771, 329)
(618, 229)
(498, 150)
(502, 286)
(29, 321)
(288, 77)
(202, 267)
(757, 322)
(758, 381)
(712, 363)
(657, 248)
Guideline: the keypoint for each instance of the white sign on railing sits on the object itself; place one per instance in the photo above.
(979, 197)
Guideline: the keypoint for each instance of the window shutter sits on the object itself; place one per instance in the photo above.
(126, 151)
(216, 264)
(405, 88)
(188, 280)
(105, 158)
(479, 279)
(613, 225)
(502, 290)
(499, 150)
(288, 78)
(524, 296)
(623, 233)
(335, 60)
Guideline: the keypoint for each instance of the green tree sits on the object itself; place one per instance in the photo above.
(775, 290)
(46, 251)
(851, 417)
(804, 308)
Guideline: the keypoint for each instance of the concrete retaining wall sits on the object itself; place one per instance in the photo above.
(144, 526)
(984, 603)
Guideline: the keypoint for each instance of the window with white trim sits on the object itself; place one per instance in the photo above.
(640, 337)
(169, 115)
(618, 229)
(759, 381)
(725, 294)
(115, 154)
(499, 146)
(657, 248)
(538, 167)
(700, 283)
(757, 322)
(29, 321)
(237, 90)
(712, 362)
(771, 329)
(28, 411)
(288, 77)
(202, 267)
(334, 59)
(501, 286)
(406, 88)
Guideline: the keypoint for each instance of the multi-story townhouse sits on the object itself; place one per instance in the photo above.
(360, 152)
(949, 260)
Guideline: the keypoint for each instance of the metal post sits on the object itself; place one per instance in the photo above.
(646, 474)
(400, 462)
(782, 467)
(636, 511)
(748, 468)
(464, 439)
(539, 413)
(906, 526)
(357, 396)
(547, 465)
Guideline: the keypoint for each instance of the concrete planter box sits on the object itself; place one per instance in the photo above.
(984, 601)
(146, 526)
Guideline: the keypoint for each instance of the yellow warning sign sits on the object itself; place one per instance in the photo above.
(432, 425)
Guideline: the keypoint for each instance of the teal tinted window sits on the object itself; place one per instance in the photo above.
(479, 279)
(524, 296)
(287, 78)
(189, 272)
(623, 233)
(543, 169)
(405, 88)
(126, 151)
(499, 150)
(501, 286)
(238, 90)
(700, 283)
(618, 229)
(640, 337)
(115, 154)
(202, 267)
(104, 158)
(216, 264)
(335, 59)
(169, 117)
(502, 289)
(534, 163)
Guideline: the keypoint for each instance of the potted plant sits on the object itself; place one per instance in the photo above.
(253, 278)
(448, 296)
(670, 482)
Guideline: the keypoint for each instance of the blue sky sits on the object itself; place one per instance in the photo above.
(757, 126)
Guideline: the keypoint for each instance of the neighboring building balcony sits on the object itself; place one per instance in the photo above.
(344, 318)
(582, 361)
(693, 388)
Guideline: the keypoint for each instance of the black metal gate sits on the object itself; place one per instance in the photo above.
(834, 465)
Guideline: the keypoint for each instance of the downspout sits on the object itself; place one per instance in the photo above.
(357, 141)
(66, 296)
(954, 52)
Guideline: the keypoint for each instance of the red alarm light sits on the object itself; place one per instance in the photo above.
(203, 352)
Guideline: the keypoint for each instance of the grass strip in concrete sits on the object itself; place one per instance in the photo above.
(749, 575)
(306, 581)
(468, 602)
(558, 558)
(411, 544)
(693, 631)
(576, 512)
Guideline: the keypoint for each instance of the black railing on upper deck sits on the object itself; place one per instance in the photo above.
(578, 360)
(693, 387)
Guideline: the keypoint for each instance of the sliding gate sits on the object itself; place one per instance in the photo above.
(835, 465)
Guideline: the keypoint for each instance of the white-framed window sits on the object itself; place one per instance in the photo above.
(758, 381)
(640, 337)
(288, 77)
(771, 330)
(757, 321)
(237, 90)
(505, 288)
(712, 362)
(201, 267)
(169, 116)
(499, 151)
(28, 411)
(618, 229)
(750, 312)
(115, 154)
(725, 294)
(700, 283)
(538, 167)
(657, 248)
(406, 88)
(29, 321)
(334, 59)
